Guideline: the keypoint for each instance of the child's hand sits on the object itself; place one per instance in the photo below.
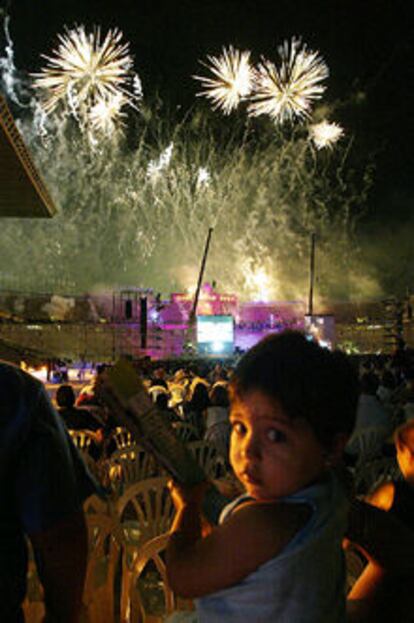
(188, 495)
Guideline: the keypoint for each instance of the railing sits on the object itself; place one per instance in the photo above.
(15, 139)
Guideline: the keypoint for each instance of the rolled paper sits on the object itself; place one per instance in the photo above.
(124, 392)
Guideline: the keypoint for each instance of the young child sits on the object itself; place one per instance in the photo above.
(276, 554)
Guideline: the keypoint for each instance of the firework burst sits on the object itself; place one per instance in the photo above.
(325, 134)
(106, 113)
(233, 79)
(286, 92)
(86, 72)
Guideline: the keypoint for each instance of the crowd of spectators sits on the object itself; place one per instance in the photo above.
(195, 393)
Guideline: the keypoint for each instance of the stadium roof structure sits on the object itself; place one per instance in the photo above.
(23, 193)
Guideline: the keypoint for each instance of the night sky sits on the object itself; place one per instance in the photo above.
(367, 45)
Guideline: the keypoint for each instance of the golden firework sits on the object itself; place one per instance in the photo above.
(233, 79)
(286, 91)
(86, 72)
(325, 134)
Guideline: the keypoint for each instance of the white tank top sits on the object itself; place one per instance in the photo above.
(305, 583)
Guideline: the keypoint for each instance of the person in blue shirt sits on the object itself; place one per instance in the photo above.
(43, 484)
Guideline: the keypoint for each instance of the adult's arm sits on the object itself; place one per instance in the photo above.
(61, 559)
(386, 540)
(383, 592)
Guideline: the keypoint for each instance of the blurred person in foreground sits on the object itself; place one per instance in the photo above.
(43, 484)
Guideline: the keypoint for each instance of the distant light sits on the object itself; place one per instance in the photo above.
(217, 347)
(325, 344)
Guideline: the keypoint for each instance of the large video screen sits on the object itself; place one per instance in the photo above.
(215, 335)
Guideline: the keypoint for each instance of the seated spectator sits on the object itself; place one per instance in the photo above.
(405, 392)
(397, 496)
(379, 594)
(180, 377)
(158, 378)
(195, 408)
(218, 374)
(74, 418)
(89, 394)
(177, 395)
(217, 420)
(371, 416)
(162, 403)
(156, 390)
(386, 387)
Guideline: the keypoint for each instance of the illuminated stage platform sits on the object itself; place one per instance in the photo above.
(105, 326)
(137, 323)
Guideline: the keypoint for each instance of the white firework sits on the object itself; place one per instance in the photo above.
(85, 71)
(137, 87)
(106, 113)
(286, 92)
(203, 178)
(257, 281)
(233, 79)
(325, 134)
(156, 166)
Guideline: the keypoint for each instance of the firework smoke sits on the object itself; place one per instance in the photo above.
(139, 215)
(155, 167)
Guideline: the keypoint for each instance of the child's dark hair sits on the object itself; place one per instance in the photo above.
(309, 381)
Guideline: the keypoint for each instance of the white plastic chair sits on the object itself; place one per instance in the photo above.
(84, 440)
(185, 431)
(367, 443)
(145, 511)
(368, 476)
(121, 437)
(129, 465)
(150, 599)
(105, 540)
(207, 457)
(33, 605)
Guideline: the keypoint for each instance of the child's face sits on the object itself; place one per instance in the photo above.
(272, 455)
